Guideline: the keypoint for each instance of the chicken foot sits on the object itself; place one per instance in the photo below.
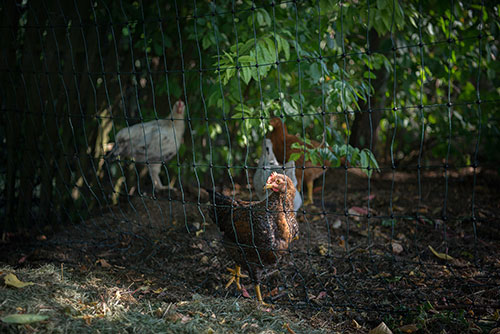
(309, 199)
(235, 277)
(155, 176)
(259, 296)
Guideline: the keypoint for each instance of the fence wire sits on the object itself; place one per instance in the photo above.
(75, 74)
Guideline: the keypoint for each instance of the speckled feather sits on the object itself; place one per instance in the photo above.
(262, 231)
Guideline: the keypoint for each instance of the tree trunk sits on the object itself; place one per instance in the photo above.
(364, 135)
(10, 18)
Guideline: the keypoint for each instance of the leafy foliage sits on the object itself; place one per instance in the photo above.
(425, 72)
(355, 157)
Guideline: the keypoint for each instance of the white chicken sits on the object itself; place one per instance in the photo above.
(268, 164)
(154, 142)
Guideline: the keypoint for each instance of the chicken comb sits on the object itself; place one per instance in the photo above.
(272, 176)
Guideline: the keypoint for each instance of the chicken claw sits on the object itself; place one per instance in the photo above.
(236, 275)
(259, 297)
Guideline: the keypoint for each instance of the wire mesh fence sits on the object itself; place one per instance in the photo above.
(119, 116)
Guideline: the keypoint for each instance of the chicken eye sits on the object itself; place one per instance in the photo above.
(278, 181)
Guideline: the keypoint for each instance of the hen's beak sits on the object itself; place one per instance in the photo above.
(268, 186)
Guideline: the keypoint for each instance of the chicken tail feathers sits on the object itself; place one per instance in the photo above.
(220, 208)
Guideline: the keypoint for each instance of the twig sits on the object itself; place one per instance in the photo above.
(288, 329)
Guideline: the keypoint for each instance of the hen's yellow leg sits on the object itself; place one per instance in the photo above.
(259, 296)
(235, 277)
(309, 199)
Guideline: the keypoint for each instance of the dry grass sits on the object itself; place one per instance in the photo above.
(96, 303)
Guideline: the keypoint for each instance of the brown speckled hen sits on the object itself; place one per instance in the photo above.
(257, 234)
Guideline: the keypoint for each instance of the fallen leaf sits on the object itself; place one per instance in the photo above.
(397, 248)
(322, 250)
(12, 280)
(412, 328)
(321, 295)
(245, 293)
(185, 319)
(381, 329)
(382, 275)
(423, 209)
(342, 242)
(442, 256)
(495, 330)
(397, 208)
(173, 317)
(356, 210)
(103, 263)
(355, 324)
(23, 318)
(372, 196)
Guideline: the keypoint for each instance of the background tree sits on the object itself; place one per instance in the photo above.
(415, 81)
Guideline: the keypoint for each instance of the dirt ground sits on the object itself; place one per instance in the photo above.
(393, 249)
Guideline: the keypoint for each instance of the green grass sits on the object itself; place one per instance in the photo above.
(97, 302)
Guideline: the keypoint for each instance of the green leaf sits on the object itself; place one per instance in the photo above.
(260, 18)
(315, 72)
(270, 45)
(243, 49)
(388, 222)
(289, 110)
(365, 163)
(370, 75)
(266, 16)
(295, 156)
(286, 48)
(22, 319)
(373, 161)
(246, 74)
(246, 59)
(158, 49)
(12, 280)
(381, 4)
(266, 53)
